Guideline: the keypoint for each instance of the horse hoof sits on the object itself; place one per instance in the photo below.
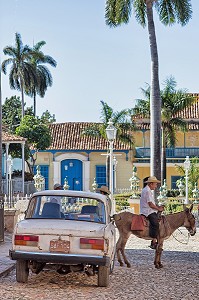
(128, 265)
(121, 264)
(158, 266)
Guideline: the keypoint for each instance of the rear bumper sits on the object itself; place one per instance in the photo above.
(68, 259)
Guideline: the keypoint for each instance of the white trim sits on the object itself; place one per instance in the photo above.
(85, 168)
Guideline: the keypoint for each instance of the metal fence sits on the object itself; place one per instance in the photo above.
(16, 186)
(1, 219)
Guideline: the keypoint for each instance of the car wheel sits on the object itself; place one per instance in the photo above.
(22, 271)
(103, 276)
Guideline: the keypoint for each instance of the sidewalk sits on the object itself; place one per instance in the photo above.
(6, 264)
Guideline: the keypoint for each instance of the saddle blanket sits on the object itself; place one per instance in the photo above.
(139, 222)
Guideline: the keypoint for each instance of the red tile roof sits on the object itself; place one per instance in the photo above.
(12, 138)
(191, 115)
(69, 136)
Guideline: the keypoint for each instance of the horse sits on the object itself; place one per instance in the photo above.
(167, 225)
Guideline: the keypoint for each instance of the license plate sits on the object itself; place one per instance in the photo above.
(59, 246)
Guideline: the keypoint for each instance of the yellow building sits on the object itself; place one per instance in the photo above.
(81, 159)
(187, 145)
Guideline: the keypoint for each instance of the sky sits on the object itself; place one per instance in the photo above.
(95, 62)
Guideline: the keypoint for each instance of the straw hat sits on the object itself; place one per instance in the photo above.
(152, 179)
(104, 189)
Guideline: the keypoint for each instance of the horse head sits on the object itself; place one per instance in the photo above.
(189, 223)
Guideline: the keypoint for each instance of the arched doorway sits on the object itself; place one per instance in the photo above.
(72, 170)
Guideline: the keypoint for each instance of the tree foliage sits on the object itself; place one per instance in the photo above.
(121, 120)
(118, 12)
(43, 74)
(37, 134)
(34, 129)
(173, 102)
(28, 72)
(22, 72)
(11, 113)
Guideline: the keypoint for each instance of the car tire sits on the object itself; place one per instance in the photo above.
(22, 271)
(103, 276)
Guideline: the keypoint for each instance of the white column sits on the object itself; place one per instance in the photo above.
(111, 176)
(186, 187)
(57, 172)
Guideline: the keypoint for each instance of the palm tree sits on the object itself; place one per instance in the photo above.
(44, 77)
(22, 72)
(173, 102)
(121, 120)
(118, 12)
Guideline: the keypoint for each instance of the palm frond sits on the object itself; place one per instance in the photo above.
(117, 12)
(140, 11)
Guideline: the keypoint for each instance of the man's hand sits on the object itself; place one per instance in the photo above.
(161, 208)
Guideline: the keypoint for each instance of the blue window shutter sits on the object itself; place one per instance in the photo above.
(44, 169)
(101, 175)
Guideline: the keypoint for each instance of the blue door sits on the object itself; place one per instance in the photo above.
(72, 170)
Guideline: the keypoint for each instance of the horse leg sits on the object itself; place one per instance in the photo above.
(118, 249)
(158, 253)
(123, 244)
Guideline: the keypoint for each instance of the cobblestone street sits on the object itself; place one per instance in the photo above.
(179, 279)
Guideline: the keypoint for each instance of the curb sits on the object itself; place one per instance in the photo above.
(7, 270)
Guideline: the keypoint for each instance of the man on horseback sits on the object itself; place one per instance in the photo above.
(149, 209)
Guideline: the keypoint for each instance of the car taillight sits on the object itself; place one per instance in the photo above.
(95, 244)
(26, 240)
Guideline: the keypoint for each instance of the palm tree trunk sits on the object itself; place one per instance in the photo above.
(0, 137)
(155, 101)
(163, 159)
(22, 98)
(34, 102)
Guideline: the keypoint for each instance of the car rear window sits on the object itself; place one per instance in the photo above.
(66, 208)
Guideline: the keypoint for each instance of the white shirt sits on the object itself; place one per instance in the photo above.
(146, 196)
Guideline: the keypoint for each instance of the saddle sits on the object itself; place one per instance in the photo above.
(139, 222)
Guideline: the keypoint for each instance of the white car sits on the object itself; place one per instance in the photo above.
(67, 230)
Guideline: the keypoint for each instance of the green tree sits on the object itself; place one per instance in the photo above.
(121, 120)
(12, 120)
(38, 137)
(173, 102)
(47, 118)
(118, 12)
(22, 72)
(44, 77)
(11, 113)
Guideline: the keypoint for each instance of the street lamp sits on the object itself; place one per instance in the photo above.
(111, 132)
(186, 167)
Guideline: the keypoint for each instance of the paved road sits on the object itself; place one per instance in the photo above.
(179, 279)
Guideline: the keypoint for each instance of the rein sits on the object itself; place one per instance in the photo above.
(188, 236)
(172, 234)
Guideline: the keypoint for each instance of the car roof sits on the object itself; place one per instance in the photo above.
(71, 193)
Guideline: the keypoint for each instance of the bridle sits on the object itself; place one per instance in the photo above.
(191, 220)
